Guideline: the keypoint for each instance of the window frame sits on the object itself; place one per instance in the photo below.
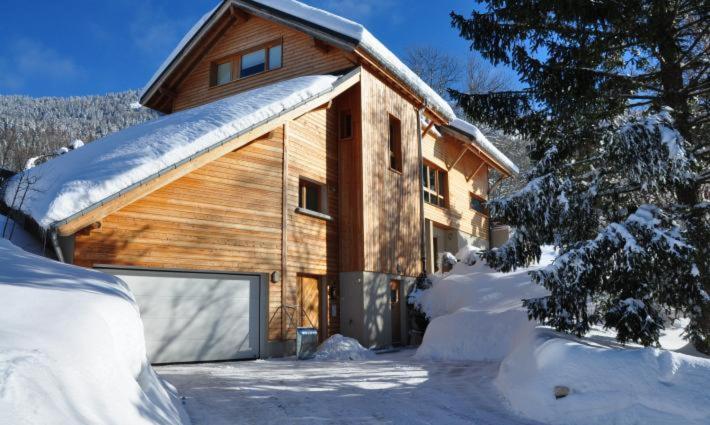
(395, 159)
(236, 60)
(440, 191)
(322, 192)
(341, 114)
(481, 199)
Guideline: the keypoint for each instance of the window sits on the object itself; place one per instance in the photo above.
(345, 127)
(311, 196)
(434, 181)
(253, 63)
(224, 73)
(395, 144)
(478, 204)
(266, 58)
(275, 57)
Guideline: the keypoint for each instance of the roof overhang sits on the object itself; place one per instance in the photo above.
(136, 191)
(469, 141)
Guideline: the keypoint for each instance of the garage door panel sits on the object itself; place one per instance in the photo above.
(196, 316)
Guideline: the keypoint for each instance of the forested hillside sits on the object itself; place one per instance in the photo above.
(31, 127)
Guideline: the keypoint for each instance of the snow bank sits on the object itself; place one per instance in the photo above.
(607, 385)
(476, 313)
(81, 178)
(338, 348)
(72, 349)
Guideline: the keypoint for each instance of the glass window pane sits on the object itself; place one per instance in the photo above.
(275, 57)
(224, 73)
(253, 63)
(432, 179)
(312, 198)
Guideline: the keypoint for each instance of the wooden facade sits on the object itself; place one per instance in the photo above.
(241, 212)
(301, 56)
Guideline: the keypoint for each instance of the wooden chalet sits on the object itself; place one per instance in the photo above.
(312, 217)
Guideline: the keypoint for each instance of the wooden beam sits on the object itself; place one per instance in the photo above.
(239, 14)
(428, 127)
(284, 225)
(322, 45)
(463, 152)
(150, 185)
(170, 94)
(476, 171)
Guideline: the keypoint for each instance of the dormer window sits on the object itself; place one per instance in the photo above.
(267, 57)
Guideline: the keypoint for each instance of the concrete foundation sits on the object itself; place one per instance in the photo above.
(365, 307)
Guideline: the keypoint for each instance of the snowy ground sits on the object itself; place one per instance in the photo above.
(392, 388)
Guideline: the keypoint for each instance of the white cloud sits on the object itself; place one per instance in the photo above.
(28, 59)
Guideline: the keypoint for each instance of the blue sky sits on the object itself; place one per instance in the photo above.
(79, 47)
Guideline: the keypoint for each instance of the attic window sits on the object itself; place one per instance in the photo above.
(266, 57)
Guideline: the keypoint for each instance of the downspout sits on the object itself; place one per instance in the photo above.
(53, 236)
(422, 221)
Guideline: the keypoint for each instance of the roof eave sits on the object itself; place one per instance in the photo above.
(507, 171)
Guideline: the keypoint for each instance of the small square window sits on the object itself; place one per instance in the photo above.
(346, 125)
(223, 73)
(311, 196)
(478, 204)
(253, 63)
(275, 57)
(395, 144)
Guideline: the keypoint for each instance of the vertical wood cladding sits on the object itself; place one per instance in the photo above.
(391, 198)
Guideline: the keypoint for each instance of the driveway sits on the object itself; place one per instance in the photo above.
(391, 389)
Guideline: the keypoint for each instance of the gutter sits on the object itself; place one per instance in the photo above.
(422, 220)
(53, 236)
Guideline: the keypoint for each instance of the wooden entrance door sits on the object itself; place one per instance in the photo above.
(310, 302)
(396, 308)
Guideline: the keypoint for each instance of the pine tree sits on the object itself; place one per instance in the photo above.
(616, 104)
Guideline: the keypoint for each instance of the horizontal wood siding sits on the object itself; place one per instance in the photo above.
(300, 57)
(391, 199)
(443, 152)
(225, 216)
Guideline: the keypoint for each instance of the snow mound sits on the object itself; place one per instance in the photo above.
(476, 313)
(608, 385)
(72, 348)
(339, 348)
(82, 178)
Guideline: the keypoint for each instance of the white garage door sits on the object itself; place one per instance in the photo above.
(191, 317)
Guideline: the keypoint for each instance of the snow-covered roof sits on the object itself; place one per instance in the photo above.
(480, 140)
(73, 183)
(356, 35)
